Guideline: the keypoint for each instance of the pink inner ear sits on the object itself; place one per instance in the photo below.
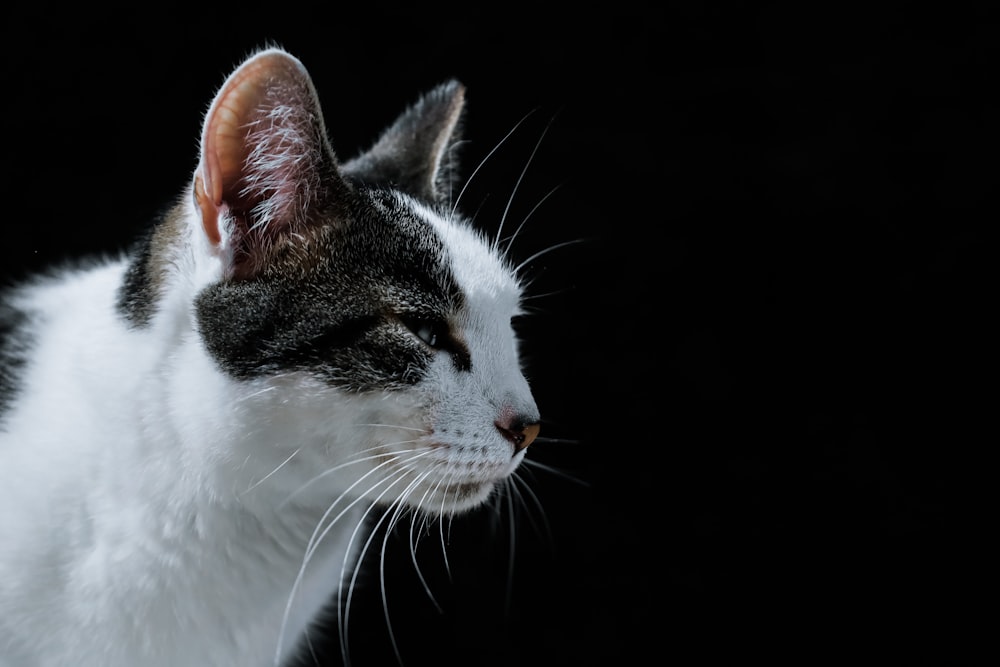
(258, 144)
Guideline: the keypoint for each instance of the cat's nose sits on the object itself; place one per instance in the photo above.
(518, 431)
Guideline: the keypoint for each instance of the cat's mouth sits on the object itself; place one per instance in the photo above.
(450, 498)
(439, 485)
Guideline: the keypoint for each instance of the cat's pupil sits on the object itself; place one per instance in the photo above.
(429, 330)
(436, 334)
(427, 334)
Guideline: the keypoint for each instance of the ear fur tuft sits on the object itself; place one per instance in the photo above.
(266, 163)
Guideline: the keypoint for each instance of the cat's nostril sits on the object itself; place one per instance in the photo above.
(518, 433)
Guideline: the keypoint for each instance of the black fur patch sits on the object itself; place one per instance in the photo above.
(344, 316)
(137, 294)
(13, 353)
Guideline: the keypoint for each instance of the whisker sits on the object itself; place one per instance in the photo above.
(479, 209)
(541, 295)
(337, 467)
(558, 441)
(496, 512)
(361, 555)
(528, 492)
(317, 537)
(310, 547)
(531, 463)
(511, 549)
(309, 645)
(444, 546)
(400, 508)
(315, 541)
(268, 475)
(398, 426)
(263, 390)
(545, 251)
(510, 240)
(413, 556)
(344, 606)
(483, 161)
(517, 184)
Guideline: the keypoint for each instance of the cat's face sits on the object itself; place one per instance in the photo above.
(363, 326)
(396, 336)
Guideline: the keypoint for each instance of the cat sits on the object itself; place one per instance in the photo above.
(196, 436)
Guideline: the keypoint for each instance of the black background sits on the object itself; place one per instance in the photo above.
(765, 355)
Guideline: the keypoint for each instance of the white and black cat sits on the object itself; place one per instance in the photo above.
(193, 437)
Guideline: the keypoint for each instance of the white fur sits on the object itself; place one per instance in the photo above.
(154, 511)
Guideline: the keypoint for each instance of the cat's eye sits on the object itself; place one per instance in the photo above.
(437, 335)
(427, 333)
(432, 332)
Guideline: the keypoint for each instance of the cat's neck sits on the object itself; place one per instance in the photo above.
(162, 502)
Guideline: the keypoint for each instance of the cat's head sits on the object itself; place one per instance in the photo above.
(366, 323)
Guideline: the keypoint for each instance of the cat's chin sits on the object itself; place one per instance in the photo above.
(455, 498)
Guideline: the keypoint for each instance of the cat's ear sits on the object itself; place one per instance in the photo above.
(416, 154)
(266, 164)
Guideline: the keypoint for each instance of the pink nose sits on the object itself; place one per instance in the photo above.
(518, 433)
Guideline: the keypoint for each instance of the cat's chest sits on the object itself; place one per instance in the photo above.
(283, 579)
(227, 592)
